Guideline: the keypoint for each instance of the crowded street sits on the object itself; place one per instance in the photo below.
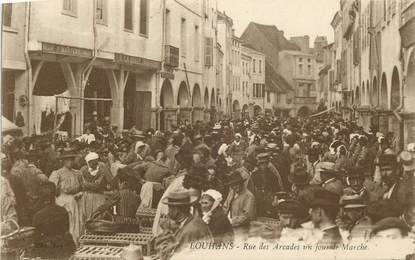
(173, 129)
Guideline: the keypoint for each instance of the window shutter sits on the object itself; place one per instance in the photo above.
(208, 51)
(128, 14)
(144, 17)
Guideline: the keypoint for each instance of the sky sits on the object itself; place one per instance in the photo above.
(294, 17)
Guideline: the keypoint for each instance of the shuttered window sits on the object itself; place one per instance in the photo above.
(128, 14)
(144, 17)
(208, 51)
(69, 7)
(7, 14)
(101, 11)
(183, 38)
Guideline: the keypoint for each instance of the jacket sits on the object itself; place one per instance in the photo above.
(220, 227)
(194, 229)
(241, 208)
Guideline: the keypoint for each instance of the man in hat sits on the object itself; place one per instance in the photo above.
(395, 188)
(240, 202)
(300, 187)
(199, 143)
(390, 228)
(68, 187)
(267, 183)
(329, 178)
(190, 227)
(356, 223)
(324, 208)
(355, 178)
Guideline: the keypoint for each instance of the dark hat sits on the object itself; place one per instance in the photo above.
(386, 160)
(67, 154)
(32, 154)
(355, 172)
(352, 201)
(262, 157)
(292, 207)
(389, 223)
(138, 134)
(326, 167)
(299, 176)
(323, 197)
(178, 198)
(234, 178)
(381, 209)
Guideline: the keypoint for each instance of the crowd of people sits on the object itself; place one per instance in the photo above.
(215, 182)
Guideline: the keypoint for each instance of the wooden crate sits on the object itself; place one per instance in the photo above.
(146, 216)
(121, 239)
(93, 252)
(270, 221)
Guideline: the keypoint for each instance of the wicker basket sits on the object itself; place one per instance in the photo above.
(98, 224)
(20, 238)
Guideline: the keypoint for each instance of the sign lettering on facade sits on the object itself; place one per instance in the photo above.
(132, 60)
(65, 50)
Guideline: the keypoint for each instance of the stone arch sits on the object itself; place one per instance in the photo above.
(98, 86)
(166, 95)
(245, 110)
(395, 89)
(197, 96)
(212, 99)
(383, 92)
(167, 115)
(206, 98)
(183, 95)
(363, 96)
(303, 111)
(236, 108)
(375, 92)
(410, 84)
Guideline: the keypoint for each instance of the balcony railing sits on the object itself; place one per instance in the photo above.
(172, 56)
(305, 100)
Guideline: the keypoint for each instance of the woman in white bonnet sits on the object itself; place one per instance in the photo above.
(96, 178)
(214, 216)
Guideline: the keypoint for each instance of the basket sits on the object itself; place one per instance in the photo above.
(97, 252)
(146, 241)
(21, 238)
(146, 216)
(97, 223)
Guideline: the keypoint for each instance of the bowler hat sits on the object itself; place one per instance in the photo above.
(387, 160)
(262, 157)
(138, 134)
(69, 154)
(324, 198)
(352, 201)
(355, 172)
(299, 176)
(326, 167)
(178, 198)
(292, 207)
(381, 209)
(234, 178)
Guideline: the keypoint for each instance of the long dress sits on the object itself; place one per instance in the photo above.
(93, 186)
(68, 183)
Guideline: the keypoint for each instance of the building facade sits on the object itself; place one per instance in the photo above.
(299, 69)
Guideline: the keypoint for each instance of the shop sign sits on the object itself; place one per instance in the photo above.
(133, 60)
(65, 50)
